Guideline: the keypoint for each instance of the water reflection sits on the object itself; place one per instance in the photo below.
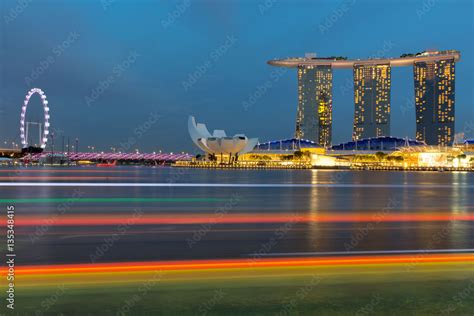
(168, 242)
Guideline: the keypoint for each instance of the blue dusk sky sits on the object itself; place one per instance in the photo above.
(127, 74)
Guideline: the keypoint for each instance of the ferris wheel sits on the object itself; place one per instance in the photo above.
(44, 136)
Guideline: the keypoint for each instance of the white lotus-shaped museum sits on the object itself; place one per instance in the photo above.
(219, 142)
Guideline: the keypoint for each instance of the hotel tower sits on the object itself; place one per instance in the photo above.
(314, 113)
(434, 95)
(434, 101)
(371, 101)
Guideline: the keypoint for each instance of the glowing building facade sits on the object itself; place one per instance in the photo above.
(372, 101)
(434, 94)
(314, 114)
(434, 99)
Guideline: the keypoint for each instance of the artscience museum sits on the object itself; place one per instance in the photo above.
(218, 143)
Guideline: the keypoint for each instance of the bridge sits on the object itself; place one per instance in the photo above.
(96, 157)
(31, 154)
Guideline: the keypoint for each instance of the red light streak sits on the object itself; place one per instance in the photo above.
(184, 219)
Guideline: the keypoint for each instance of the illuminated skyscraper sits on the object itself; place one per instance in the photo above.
(434, 93)
(434, 99)
(314, 115)
(372, 101)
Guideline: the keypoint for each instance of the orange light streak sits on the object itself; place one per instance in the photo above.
(184, 219)
(237, 263)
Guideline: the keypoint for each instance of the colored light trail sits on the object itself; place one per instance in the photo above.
(110, 200)
(364, 252)
(184, 219)
(238, 264)
(237, 185)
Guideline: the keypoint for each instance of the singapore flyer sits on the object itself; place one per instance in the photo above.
(45, 133)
